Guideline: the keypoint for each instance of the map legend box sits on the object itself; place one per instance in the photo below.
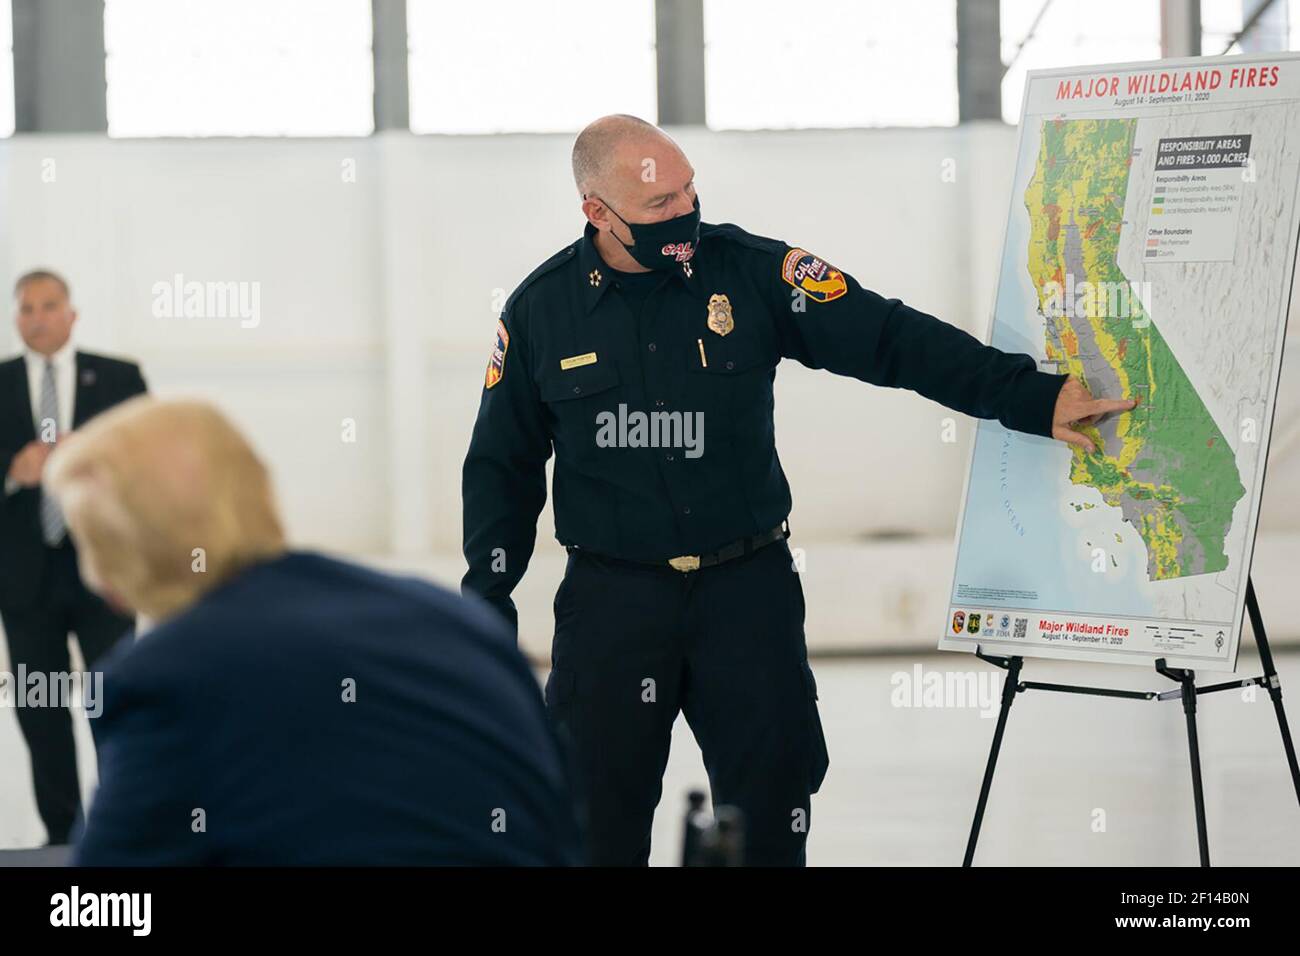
(1195, 201)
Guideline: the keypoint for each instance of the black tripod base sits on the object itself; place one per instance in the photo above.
(1187, 692)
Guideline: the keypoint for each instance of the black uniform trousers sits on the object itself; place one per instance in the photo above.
(38, 640)
(635, 645)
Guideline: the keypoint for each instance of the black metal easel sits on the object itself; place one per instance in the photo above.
(1187, 692)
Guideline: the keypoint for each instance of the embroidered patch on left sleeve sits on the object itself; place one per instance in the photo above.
(815, 278)
(496, 368)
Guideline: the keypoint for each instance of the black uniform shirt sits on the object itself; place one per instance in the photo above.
(579, 361)
(635, 287)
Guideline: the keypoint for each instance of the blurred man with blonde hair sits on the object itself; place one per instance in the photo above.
(167, 501)
(282, 707)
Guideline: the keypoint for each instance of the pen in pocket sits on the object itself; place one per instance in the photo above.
(704, 362)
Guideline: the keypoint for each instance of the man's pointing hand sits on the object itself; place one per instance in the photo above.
(1076, 406)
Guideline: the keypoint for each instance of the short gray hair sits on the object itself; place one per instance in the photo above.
(595, 145)
(39, 275)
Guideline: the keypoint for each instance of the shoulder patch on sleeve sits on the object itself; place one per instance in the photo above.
(816, 278)
(496, 368)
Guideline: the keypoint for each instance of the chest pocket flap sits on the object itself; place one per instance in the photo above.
(713, 354)
(560, 385)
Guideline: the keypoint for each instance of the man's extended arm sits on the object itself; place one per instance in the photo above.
(884, 342)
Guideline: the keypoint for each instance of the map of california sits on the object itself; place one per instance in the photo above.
(1166, 465)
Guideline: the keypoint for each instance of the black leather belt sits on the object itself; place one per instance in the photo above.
(693, 562)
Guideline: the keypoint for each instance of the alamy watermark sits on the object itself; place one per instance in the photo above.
(53, 689)
(626, 429)
(976, 690)
(182, 299)
(1110, 300)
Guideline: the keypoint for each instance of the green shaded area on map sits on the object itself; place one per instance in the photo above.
(1166, 464)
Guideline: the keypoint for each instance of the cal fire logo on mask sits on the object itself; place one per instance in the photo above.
(814, 277)
(497, 363)
(679, 251)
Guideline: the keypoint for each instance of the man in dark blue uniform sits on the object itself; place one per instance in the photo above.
(644, 354)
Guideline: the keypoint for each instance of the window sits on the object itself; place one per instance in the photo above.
(1221, 20)
(6, 68)
(500, 66)
(239, 67)
(1072, 33)
(830, 63)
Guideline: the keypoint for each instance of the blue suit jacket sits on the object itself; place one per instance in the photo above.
(227, 735)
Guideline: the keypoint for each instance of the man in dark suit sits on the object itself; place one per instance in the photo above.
(45, 393)
(280, 706)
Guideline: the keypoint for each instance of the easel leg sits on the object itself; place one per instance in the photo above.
(1271, 682)
(1202, 837)
(1009, 690)
(1187, 681)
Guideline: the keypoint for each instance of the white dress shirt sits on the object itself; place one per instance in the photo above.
(65, 388)
(65, 385)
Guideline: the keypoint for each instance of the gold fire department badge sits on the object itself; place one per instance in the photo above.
(720, 319)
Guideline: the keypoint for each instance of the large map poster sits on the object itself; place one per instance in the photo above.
(1150, 252)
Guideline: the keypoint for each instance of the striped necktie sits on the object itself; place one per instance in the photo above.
(52, 526)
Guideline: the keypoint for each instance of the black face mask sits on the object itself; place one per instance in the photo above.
(662, 245)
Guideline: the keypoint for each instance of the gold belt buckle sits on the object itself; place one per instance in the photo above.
(687, 562)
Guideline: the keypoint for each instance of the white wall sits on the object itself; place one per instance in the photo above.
(378, 291)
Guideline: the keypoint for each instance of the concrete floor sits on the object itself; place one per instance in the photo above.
(1081, 781)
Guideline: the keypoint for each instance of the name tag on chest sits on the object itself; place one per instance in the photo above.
(577, 361)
